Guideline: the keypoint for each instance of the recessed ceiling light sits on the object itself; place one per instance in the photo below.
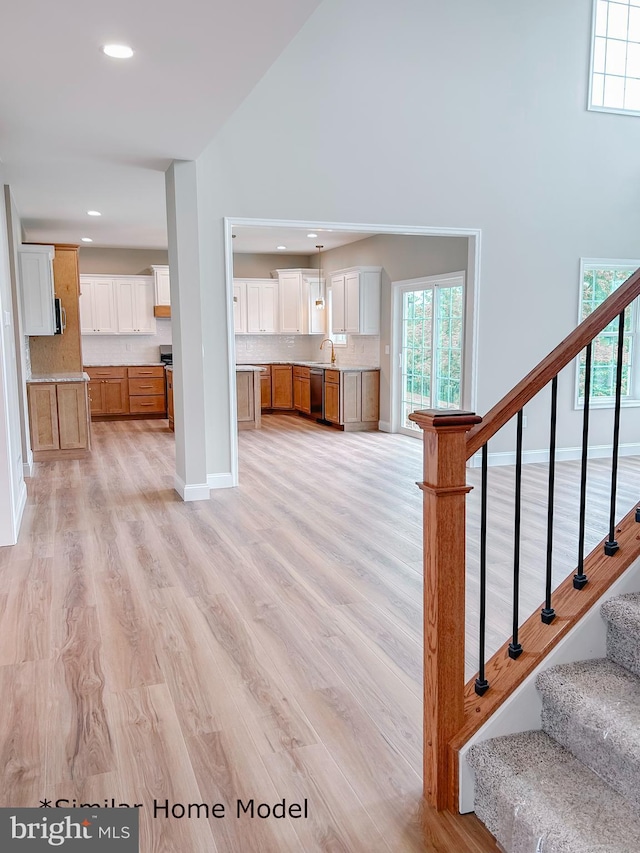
(118, 51)
(87, 239)
(312, 235)
(94, 213)
(281, 248)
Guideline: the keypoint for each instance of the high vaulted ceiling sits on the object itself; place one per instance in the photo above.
(80, 131)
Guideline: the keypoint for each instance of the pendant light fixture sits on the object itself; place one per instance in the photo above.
(320, 299)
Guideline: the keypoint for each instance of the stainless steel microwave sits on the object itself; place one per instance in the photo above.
(60, 315)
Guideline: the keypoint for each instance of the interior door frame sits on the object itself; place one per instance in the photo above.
(472, 282)
(395, 376)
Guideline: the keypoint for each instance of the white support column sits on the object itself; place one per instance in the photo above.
(186, 326)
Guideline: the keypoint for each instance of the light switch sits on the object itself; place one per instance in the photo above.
(386, 349)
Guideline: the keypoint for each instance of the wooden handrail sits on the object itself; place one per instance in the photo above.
(550, 366)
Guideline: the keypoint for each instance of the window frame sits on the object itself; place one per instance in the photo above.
(633, 398)
(590, 105)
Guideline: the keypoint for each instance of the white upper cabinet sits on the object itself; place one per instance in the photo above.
(355, 295)
(240, 307)
(97, 306)
(317, 306)
(292, 314)
(36, 282)
(117, 305)
(134, 303)
(262, 306)
(162, 285)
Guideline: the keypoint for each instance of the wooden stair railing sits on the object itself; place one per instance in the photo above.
(452, 710)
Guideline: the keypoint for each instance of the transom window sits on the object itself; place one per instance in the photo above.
(598, 280)
(615, 57)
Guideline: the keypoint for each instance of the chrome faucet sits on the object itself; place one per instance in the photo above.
(333, 352)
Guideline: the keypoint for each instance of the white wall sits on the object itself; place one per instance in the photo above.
(260, 264)
(460, 114)
(13, 491)
(119, 261)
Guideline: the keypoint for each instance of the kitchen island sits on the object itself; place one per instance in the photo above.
(59, 416)
(248, 396)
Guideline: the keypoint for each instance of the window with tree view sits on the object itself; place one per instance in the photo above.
(615, 57)
(599, 280)
(431, 357)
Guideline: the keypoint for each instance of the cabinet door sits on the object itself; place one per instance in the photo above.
(104, 308)
(96, 397)
(281, 386)
(72, 415)
(269, 308)
(43, 417)
(297, 393)
(305, 396)
(352, 303)
(338, 318)
(87, 320)
(244, 392)
(36, 279)
(125, 305)
(351, 394)
(143, 307)
(290, 303)
(332, 402)
(253, 309)
(265, 389)
(162, 285)
(370, 395)
(115, 396)
(240, 307)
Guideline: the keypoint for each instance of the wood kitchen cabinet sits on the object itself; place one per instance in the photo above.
(127, 391)
(169, 373)
(58, 420)
(352, 398)
(162, 290)
(265, 386)
(249, 409)
(108, 390)
(302, 389)
(281, 386)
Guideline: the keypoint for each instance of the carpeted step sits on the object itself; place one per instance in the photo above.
(535, 797)
(622, 615)
(592, 708)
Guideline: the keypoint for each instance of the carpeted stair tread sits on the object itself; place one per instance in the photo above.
(593, 709)
(622, 615)
(535, 797)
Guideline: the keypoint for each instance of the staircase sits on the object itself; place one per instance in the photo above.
(573, 787)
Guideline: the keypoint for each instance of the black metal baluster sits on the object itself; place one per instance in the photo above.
(580, 579)
(548, 614)
(515, 649)
(611, 546)
(482, 685)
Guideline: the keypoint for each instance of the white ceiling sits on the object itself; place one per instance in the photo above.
(80, 131)
(264, 239)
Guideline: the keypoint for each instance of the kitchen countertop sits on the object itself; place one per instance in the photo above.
(59, 377)
(126, 364)
(248, 367)
(322, 365)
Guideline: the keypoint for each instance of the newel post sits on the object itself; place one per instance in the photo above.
(444, 490)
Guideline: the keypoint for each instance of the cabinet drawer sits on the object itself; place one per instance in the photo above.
(145, 386)
(152, 404)
(107, 372)
(301, 372)
(332, 376)
(145, 372)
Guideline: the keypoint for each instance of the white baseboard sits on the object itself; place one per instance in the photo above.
(384, 426)
(563, 454)
(22, 502)
(191, 491)
(27, 469)
(220, 481)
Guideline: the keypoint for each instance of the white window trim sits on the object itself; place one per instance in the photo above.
(632, 401)
(617, 110)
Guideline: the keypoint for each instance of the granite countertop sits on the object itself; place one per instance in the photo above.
(168, 367)
(126, 364)
(247, 367)
(322, 365)
(59, 377)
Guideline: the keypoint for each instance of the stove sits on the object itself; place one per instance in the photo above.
(166, 354)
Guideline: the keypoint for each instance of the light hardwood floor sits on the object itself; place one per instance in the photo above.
(264, 644)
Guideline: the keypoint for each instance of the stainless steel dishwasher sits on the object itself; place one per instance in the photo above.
(317, 393)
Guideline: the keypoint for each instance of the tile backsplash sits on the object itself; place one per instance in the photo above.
(361, 350)
(125, 349)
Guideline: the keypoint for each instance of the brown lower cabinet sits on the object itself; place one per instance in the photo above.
(170, 397)
(58, 420)
(352, 398)
(302, 389)
(127, 391)
(281, 386)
